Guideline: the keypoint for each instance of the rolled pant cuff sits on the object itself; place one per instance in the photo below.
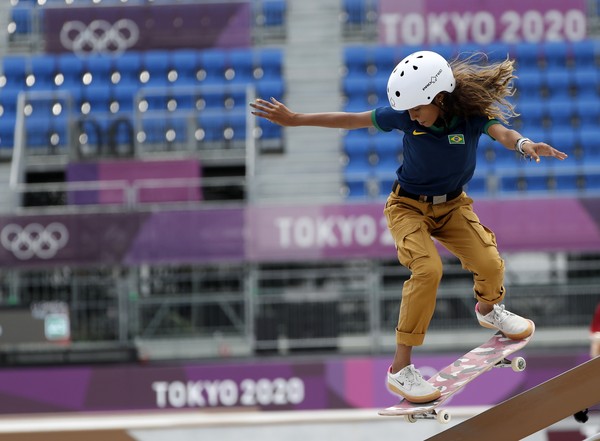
(404, 338)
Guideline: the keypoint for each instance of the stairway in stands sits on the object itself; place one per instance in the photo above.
(309, 168)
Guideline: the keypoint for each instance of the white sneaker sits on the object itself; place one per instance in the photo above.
(511, 325)
(409, 384)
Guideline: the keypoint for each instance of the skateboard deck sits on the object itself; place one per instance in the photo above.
(465, 369)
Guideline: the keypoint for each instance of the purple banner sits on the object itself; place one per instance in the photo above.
(430, 22)
(272, 233)
(337, 383)
(116, 29)
(141, 172)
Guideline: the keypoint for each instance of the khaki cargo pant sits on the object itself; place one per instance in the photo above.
(455, 225)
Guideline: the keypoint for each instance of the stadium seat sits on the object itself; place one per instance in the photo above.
(586, 80)
(357, 59)
(21, 18)
(42, 71)
(585, 54)
(15, 69)
(186, 64)
(477, 185)
(274, 12)
(241, 64)
(559, 82)
(7, 131)
(270, 88)
(270, 61)
(98, 99)
(556, 54)
(213, 61)
(497, 51)
(8, 101)
(560, 110)
(127, 68)
(99, 67)
(385, 59)
(156, 64)
(358, 150)
(528, 56)
(69, 71)
(388, 148)
(529, 84)
(588, 111)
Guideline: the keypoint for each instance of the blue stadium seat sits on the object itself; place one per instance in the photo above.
(98, 98)
(8, 101)
(15, 69)
(213, 61)
(588, 111)
(213, 126)
(270, 88)
(7, 131)
(242, 64)
(357, 59)
(22, 16)
(388, 148)
(100, 68)
(528, 56)
(531, 112)
(586, 80)
(274, 12)
(385, 59)
(477, 186)
(560, 110)
(157, 64)
(236, 121)
(529, 84)
(43, 69)
(360, 86)
(497, 51)
(556, 53)
(129, 66)
(124, 97)
(585, 53)
(358, 150)
(186, 63)
(589, 137)
(71, 68)
(271, 63)
(559, 81)
(570, 182)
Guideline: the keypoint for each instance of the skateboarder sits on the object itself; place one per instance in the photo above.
(442, 109)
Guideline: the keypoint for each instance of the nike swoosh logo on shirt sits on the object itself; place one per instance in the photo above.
(418, 133)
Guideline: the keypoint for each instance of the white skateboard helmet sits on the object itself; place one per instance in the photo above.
(418, 78)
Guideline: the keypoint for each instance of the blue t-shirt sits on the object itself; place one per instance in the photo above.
(436, 160)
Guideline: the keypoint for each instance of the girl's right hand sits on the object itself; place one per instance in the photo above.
(273, 111)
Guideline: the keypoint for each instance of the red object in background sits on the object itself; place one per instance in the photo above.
(595, 326)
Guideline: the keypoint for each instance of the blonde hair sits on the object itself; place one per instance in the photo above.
(481, 88)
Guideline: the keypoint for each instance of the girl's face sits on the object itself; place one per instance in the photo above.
(425, 115)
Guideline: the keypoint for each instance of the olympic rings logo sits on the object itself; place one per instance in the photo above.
(99, 36)
(34, 240)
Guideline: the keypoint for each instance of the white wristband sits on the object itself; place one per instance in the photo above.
(519, 145)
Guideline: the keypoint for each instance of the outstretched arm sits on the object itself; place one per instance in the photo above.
(509, 138)
(278, 113)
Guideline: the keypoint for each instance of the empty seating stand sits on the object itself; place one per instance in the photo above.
(140, 87)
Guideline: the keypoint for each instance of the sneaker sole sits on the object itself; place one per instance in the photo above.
(526, 333)
(414, 399)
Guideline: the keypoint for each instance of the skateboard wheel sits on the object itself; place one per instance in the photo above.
(410, 418)
(518, 364)
(444, 417)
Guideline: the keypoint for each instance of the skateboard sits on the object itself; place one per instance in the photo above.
(493, 353)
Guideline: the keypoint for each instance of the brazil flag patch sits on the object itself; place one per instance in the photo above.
(456, 138)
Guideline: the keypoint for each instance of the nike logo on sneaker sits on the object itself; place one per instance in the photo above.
(418, 133)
